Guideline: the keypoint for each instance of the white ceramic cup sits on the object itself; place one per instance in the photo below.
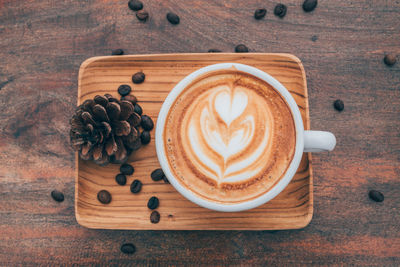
(306, 141)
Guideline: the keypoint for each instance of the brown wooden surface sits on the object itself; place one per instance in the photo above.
(42, 46)
(291, 209)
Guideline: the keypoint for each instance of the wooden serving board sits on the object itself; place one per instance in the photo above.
(291, 209)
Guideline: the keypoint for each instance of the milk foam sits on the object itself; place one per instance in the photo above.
(227, 107)
(224, 107)
(229, 137)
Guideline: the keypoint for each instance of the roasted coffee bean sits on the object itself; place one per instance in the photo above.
(309, 5)
(130, 98)
(165, 179)
(153, 203)
(173, 18)
(390, 59)
(120, 179)
(117, 52)
(138, 109)
(135, 5)
(128, 248)
(136, 186)
(212, 50)
(338, 104)
(260, 13)
(145, 137)
(104, 196)
(57, 196)
(157, 174)
(376, 196)
(138, 77)
(241, 48)
(280, 10)
(126, 169)
(314, 38)
(124, 89)
(155, 217)
(142, 15)
(146, 123)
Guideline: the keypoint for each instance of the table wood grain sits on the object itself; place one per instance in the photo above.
(341, 44)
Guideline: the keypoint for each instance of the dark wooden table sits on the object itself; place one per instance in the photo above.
(341, 44)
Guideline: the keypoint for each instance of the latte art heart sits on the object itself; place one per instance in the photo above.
(229, 137)
(229, 105)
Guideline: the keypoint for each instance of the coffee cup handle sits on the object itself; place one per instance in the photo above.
(319, 141)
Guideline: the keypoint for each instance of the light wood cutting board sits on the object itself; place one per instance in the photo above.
(291, 209)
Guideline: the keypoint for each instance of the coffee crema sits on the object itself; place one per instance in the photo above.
(229, 137)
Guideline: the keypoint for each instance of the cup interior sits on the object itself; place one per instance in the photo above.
(284, 181)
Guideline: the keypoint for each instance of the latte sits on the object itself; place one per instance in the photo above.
(229, 137)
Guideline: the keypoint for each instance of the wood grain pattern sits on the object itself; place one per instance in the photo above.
(341, 45)
(291, 209)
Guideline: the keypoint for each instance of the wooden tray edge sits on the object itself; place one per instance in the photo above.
(307, 127)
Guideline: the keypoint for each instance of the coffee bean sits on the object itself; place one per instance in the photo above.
(314, 38)
(376, 196)
(130, 98)
(173, 18)
(135, 5)
(138, 109)
(390, 59)
(165, 179)
(153, 203)
(142, 15)
(146, 123)
(338, 104)
(309, 5)
(128, 248)
(126, 169)
(136, 186)
(104, 196)
(145, 137)
(120, 179)
(260, 13)
(138, 77)
(241, 48)
(155, 217)
(57, 196)
(212, 50)
(157, 174)
(117, 52)
(280, 10)
(124, 89)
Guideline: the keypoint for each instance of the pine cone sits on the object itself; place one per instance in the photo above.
(104, 129)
